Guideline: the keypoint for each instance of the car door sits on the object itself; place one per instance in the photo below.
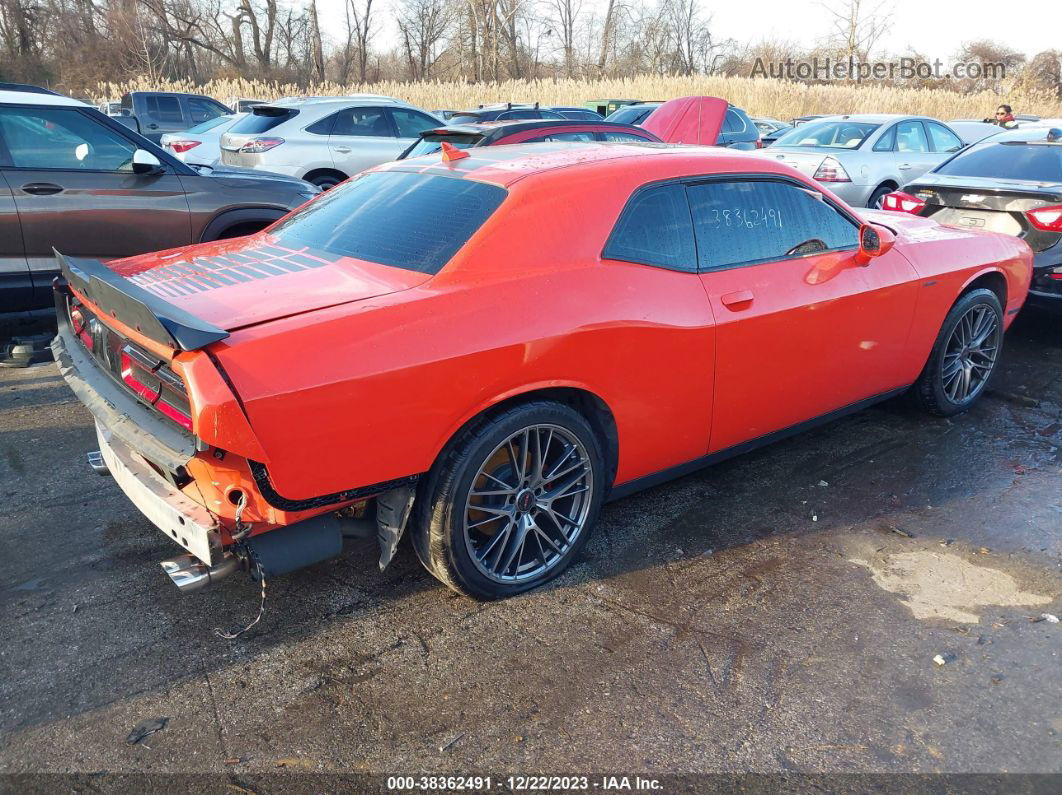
(803, 330)
(163, 113)
(16, 286)
(913, 154)
(73, 184)
(362, 137)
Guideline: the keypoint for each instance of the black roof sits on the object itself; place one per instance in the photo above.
(491, 131)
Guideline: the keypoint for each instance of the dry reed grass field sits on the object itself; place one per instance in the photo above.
(760, 97)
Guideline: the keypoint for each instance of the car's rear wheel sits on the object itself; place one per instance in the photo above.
(965, 355)
(510, 504)
(326, 180)
(874, 202)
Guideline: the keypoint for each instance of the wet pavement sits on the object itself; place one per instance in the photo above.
(778, 612)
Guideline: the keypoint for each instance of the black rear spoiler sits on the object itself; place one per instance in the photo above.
(152, 316)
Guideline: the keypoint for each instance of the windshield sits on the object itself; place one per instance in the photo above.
(408, 220)
(433, 143)
(1036, 162)
(833, 134)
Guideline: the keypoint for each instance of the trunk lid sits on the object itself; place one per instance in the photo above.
(688, 120)
(994, 205)
(805, 159)
(246, 281)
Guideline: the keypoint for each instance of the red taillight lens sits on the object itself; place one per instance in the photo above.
(759, 143)
(80, 325)
(831, 170)
(901, 202)
(180, 147)
(155, 383)
(258, 145)
(1048, 219)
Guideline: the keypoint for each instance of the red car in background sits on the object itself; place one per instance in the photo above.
(496, 133)
(479, 350)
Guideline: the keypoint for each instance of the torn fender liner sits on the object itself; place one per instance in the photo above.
(265, 487)
(148, 313)
(392, 514)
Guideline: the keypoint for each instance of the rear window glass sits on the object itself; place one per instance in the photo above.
(433, 143)
(260, 121)
(632, 114)
(410, 221)
(1034, 162)
(209, 125)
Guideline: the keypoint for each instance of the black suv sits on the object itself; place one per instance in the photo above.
(502, 112)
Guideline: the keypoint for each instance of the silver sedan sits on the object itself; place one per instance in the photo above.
(863, 157)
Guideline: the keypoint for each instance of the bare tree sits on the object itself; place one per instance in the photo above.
(564, 15)
(858, 25)
(423, 26)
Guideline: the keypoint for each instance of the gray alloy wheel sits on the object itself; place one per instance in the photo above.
(528, 504)
(970, 355)
(964, 355)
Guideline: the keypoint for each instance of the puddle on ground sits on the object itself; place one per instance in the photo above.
(944, 585)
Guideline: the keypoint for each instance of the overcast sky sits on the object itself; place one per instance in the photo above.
(932, 27)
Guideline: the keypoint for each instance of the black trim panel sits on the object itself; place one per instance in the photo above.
(265, 486)
(656, 478)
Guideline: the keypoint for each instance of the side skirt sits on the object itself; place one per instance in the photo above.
(656, 478)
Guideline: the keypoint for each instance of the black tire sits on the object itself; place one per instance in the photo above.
(326, 181)
(438, 527)
(929, 391)
(874, 202)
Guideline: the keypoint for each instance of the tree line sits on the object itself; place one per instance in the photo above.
(76, 44)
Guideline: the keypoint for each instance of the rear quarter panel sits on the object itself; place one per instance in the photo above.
(371, 391)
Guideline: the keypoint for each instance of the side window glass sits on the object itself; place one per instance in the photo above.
(887, 142)
(911, 137)
(520, 114)
(655, 229)
(944, 140)
(59, 138)
(323, 126)
(164, 109)
(202, 110)
(411, 124)
(371, 122)
(759, 221)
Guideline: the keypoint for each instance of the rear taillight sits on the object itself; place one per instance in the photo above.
(180, 147)
(80, 325)
(830, 170)
(155, 383)
(759, 143)
(1055, 273)
(1049, 219)
(258, 145)
(901, 202)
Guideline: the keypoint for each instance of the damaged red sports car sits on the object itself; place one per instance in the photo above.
(477, 350)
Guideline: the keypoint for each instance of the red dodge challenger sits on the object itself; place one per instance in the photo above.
(479, 348)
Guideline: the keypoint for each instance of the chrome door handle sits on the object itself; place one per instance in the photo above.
(904, 166)
(343, 150)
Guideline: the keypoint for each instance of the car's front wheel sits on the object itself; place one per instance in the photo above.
(964, 356)
(510, 504)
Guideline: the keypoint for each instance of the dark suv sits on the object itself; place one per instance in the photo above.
(76, 180)
(154, 113)
(503, 112)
